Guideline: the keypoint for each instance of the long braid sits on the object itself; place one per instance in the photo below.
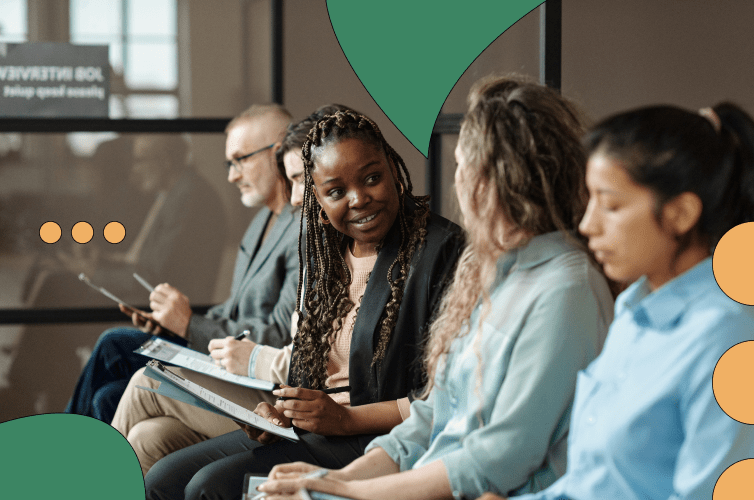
(327, 283)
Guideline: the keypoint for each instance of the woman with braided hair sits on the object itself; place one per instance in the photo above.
(376, 261)
(528, 308)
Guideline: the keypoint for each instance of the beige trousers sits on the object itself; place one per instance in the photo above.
(156, 425)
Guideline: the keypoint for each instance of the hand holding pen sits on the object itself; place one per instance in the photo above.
(312, 410)
(232, 353)
(307, 409)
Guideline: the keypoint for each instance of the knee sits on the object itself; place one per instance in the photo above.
(203, 486)
(158, 482)
(142, 440)
(172, 478)
(117, 336)
(106, 398)
(154, 438)
(109, 341)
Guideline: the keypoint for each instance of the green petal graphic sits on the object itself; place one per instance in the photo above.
(409, 54)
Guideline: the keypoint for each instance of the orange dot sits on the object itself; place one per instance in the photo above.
(114, 232)
(736, 482)
(733, 265)
(733, 382)
(50, 232)
(82, 232)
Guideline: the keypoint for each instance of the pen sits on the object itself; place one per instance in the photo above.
(243, 334)
(336, 390)
(144, 283)
(329, 390)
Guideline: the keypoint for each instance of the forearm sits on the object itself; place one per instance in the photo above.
(272, 364)
(375, 463)
(374, 418)
(428, 482)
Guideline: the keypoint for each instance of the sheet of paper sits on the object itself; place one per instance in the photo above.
(222, 406)
(199, 362)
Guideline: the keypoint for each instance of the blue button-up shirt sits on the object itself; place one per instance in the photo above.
(500, 425)
(645, 423)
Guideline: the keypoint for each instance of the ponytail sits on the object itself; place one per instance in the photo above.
(737, 135)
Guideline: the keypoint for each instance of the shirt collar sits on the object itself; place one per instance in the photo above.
(536, 251)
(662, 308)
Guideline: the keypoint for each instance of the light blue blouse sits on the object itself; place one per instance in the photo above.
(501, 425)
(645, 422)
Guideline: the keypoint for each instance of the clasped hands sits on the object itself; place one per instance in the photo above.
(308, 409)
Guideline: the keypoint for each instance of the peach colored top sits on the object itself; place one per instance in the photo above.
(340, 351)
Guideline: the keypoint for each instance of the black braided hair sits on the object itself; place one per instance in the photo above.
(327, 280)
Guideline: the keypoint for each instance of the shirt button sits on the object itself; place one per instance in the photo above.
(591, 420)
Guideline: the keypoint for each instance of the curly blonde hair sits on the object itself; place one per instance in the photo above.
(525, 165)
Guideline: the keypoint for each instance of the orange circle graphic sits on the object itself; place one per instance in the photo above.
(82, 232)
(114, 232)
(50, 232)
(733, 382)
(736, 482)
(733, 265)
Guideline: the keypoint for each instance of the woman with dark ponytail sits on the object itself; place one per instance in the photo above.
(376, 263)
(665, 185)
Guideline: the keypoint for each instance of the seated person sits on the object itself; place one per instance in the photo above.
(377, 260)
(263, 293)
(157, 425)
(165, 247)
(527, 310)
(666, 184)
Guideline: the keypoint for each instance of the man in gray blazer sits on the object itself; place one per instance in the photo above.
(263, 294)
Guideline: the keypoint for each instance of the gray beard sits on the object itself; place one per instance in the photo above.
(251, 200)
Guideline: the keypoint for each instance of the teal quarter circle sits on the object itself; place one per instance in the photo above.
(59, 456)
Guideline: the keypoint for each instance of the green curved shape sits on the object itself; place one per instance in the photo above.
(409, 54)
(67, 457)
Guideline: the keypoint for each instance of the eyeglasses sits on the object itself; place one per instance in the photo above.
(235, 163)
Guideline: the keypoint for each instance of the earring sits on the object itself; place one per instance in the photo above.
(323, 217)
(400, 188)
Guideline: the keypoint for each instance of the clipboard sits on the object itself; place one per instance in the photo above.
(176, 387)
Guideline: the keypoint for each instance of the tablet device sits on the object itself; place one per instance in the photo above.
(250, 483)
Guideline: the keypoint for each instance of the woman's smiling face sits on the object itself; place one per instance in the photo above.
(354, 184)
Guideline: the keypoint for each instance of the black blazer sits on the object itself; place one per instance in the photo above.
(401, 371)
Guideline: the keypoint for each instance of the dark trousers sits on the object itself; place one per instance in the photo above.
(215, 469)
(105, 376)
